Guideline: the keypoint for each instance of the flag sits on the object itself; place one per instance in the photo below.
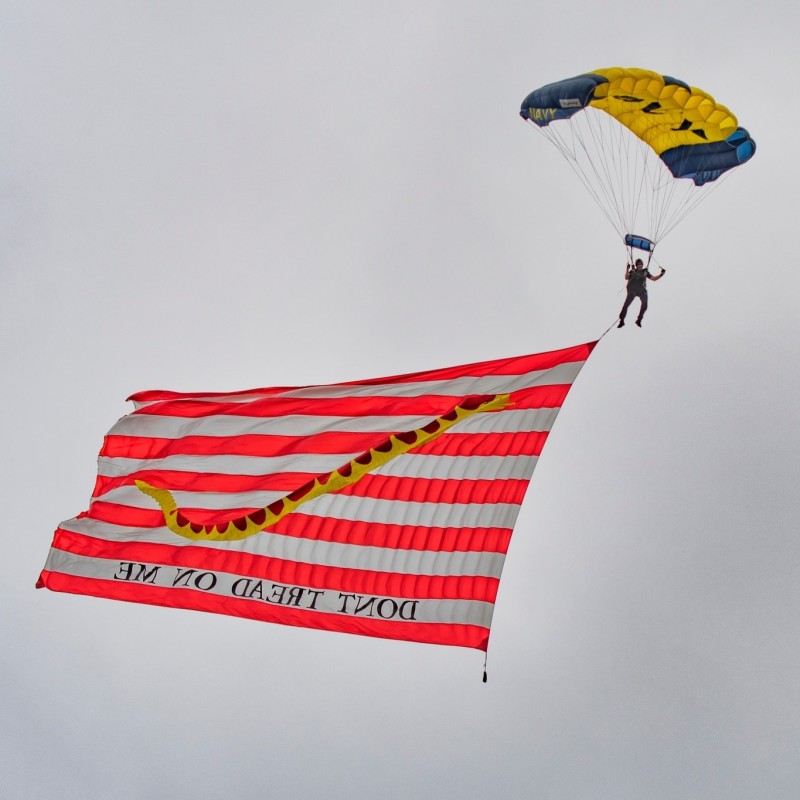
(381, 507)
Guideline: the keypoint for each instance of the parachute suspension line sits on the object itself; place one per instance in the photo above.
(639, 181)
(694, 198)
(594, 124)
(636, 168)
(572, 158)
(634, 189)
(657, 263)
(682, 195)
(667, 223)
(605, 168)
(658, 203)
(622, 174)
(637, 175)
(640, 174)
(627, 175)
(558, 141)
(615, 169)
(626, 172)
(678, 197)
(663, 189)
(624, 164)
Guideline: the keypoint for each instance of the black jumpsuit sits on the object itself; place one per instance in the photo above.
(637, 287)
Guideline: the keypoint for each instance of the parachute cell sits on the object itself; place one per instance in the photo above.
(644, 144)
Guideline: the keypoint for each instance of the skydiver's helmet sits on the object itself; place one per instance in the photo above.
(639, 263)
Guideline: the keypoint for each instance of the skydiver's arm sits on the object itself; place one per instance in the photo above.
(627, 271)
(657, 277)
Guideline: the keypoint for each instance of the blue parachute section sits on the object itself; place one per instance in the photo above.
(706, 162)
(560, 100)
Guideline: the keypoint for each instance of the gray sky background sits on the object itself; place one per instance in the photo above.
(215, 196)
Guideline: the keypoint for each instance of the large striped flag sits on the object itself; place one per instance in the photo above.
(381, 507)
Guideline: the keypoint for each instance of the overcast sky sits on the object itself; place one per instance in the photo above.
(215, 196)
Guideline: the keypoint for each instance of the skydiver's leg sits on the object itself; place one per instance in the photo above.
(626, 304)
(643, 297)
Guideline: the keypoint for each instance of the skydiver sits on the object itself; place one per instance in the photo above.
(637, 276)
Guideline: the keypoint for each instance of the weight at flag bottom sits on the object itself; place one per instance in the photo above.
(382, 507)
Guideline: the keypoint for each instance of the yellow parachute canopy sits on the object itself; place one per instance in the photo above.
(680, 132)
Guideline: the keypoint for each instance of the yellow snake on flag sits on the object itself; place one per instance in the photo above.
(350, 473)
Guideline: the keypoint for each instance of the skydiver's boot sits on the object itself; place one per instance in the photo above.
(621, 323)
(639, 322)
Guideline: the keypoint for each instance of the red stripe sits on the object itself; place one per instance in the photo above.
(424, 405)
(207, 482)
(302, 526)
(296, 573)
(517, 365)
(546, 396)
(406, 537)
(435, 490)
(419, 490)
(246, 445)
(487, 444)
(429, 633)
(126, 516)
(550, 396)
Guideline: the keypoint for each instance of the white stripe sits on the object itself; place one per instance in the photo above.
(210, 501)
(429, 515)
(313, 551)
(411, 465)
(457, 387)
(226, 465)
(525, 420)
(222, 425)
(330, 601)
(168, 427)
(408, 465)
(354, 509)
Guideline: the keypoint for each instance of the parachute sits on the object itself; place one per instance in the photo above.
(648, 147)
